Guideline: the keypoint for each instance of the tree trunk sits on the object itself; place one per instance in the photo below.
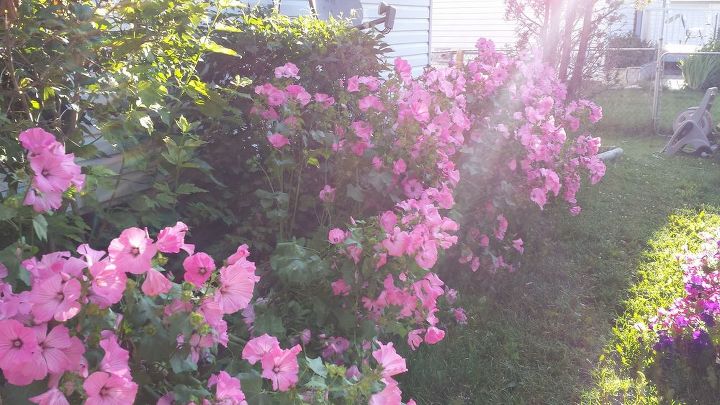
(577, 75)
(552, 33)
(567, 45)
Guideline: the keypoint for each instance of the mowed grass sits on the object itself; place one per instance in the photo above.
(536, 336)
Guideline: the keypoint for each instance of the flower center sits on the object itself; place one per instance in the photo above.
(60, 296)
(104, 391)
(45, 172)
(17, 343)
(202, 270)
(135, 251)
(276, 369)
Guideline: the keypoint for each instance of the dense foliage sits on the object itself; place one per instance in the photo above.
(344, 185)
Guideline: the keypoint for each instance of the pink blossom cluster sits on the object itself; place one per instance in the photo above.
(280, 366)
(692, 320)
(41, 340)
(54, 171)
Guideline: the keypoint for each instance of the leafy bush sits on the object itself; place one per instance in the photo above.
(702, 71)
(624, 59)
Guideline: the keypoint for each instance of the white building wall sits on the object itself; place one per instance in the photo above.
(457, 24)
(409, 39)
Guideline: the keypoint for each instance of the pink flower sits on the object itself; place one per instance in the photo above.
(390, 395)
(327, 194)
(403, 69)
(52, 354)
(336, 236)
(198, 268)
(36, 140)
(501, 228)
(388, 220)
(276, 97)
(353, 84)
(52, 397)
(397, 243)
(391, 362)
(172, 239)
(324, 99)
(281, 367)
(539, 197)
(109, 389)
(241, 252)
(51, 298)
(460, 316)
(133, 251)
(17, 344)
(43, 202)
(298, 93)
(53, 173)
(278, 141)
(574, 211)
(155, 283)
(116, 358)
(227, 390)
(414, 340)
(518, 245)
(340, 287)
(256, 348)
(370, 102)
(107, 285)
(399, 167)
(427, 256)
(362, 129)
(288, 70)
(237, 282)
(434, 335)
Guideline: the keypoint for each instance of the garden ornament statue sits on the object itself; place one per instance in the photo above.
(693, 127)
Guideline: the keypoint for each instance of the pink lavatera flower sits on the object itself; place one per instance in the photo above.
(36, 140)
(336, 236)
(227, 389)
(278, 141)
(327, 194)
(115, 360)
(256, 348)
(397, 243)
(109, 389)
(53, 347)
(198, 268)
(242, 252)
(390, 395)
(51, 397)
(237, 283)
(55, 298)
(172, 239)
(17, 344)
(391, 362)
(414, 340)
(434, 335)
(133, 251)
(288, 70)
(43, 202)
(324, 99)
(340, 287)
(107, 285)
(281, 367)
(155, 283)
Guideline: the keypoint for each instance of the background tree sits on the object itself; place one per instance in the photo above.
(572, 34)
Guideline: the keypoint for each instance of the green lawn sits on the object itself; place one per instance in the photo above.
(537, 336)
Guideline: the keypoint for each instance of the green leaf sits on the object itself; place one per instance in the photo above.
(147, 123)
(316, 383)
(226, 28)
(180, 362)
(317, 366)
(187, 188)
(213, 46)
(40, 226)
(7, 212)
(355, 192)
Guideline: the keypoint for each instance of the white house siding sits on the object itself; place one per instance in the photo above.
(409, 39)
(702, 18)
(457, 24)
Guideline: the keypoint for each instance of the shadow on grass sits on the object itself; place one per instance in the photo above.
(535, 336)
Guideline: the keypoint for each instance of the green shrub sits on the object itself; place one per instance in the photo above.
(702, 71)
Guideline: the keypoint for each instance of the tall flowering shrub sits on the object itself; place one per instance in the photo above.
(358, 196)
